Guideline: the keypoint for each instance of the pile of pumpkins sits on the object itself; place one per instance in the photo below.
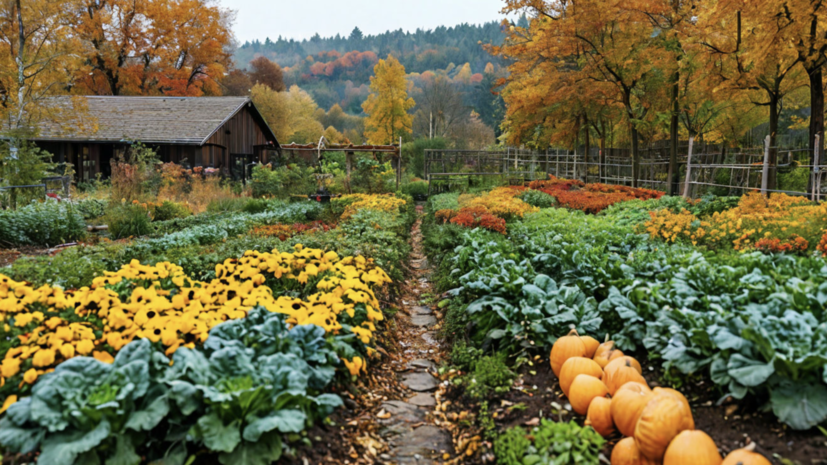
(609, 389)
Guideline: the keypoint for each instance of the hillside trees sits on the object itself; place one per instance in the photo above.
(291, 114)
(388, 104)
(265, 72)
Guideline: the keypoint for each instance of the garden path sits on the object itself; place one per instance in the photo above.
(407, 426)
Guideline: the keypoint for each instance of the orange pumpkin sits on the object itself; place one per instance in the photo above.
(618, 374)
(626, 452)
(606, 352)
(627, 405)
(621, 361)
(745, 456)
(692, 447)
(591, 345)
(672, 392)
(583, 390)
(661, 420)
(577, 366)
(565, 348)
(599, 416)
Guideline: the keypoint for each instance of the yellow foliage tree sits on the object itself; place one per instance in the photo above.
(291, 114)
(388, 104)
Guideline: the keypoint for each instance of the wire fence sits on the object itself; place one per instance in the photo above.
(700, 168)
(14, 196)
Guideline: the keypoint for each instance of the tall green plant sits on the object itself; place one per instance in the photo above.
(22, 163)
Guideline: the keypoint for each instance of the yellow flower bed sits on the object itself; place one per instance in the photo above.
(46, 325)
(756, 217)
(502, 202)
(356, 202)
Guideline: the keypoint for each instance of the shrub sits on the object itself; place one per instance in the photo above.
(91, 208)
(537, 199)
(42, 224)
(551, 442)
(283, 181)
(414, 153)
(227, 204)
(255, 206)
(169, 211)
(129, 220)
(416, 188)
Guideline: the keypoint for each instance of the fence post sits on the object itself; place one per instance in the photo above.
(557, 167)
(687, 183)
(765, 172)
(816, 194)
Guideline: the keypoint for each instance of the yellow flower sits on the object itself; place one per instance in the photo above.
(10, 400)
(355, 366)
(10, 367)
(30, 376)
(67, 351)
(85, 346)
(43, 358)
(104, 357)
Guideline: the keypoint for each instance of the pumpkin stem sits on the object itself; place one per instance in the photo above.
(607, 338)
(573, 331)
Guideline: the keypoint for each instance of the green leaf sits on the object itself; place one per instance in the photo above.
(264, 452)
(124, 452)
(285, 421)
(149, 417)
(64, 448)
(186, 396)
(17, 439)
(798, 404)
(749, 372)
(216, 435)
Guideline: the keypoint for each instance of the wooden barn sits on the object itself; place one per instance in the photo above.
(227, 133)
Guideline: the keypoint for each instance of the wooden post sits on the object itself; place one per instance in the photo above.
(765, 173)
(688, 181)
(348, 169)
(557, 169)
(399, 164)
(816, 194)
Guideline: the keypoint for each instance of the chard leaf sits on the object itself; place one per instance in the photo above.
(186, 396)
(749, 372)
(135, 351)
(216, 435)
(64, 448)
(285, 421)
(799, 404)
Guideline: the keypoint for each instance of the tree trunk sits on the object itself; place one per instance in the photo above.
(771, 177)
(586, 153)
(817, 113)
(674, 176)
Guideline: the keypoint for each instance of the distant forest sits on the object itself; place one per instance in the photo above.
(450, 76)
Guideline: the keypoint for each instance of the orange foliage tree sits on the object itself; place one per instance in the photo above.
(151, 47)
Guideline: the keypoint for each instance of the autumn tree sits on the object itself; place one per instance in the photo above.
(388, 104)
(265, 72)
(291, 114)
(440, 109)
(35, 54)
(236, 82)
(151, 47)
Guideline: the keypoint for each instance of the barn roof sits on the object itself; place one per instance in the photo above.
(151, 120)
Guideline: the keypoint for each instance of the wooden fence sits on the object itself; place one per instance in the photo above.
(702, 168)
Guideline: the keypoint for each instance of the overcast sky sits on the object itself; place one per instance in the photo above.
(300, 19)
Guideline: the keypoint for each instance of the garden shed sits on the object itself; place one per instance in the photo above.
(227, 133)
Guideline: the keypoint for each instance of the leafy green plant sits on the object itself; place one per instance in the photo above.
(254, 380)
(91, 208)
(416, 188)
(227, 204)
(169, 211)
(41, 224)
(128, 220)
(537, 199)
(490, 375)
(283, 181)
(550, 443)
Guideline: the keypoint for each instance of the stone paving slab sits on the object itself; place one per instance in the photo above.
(419, 382)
